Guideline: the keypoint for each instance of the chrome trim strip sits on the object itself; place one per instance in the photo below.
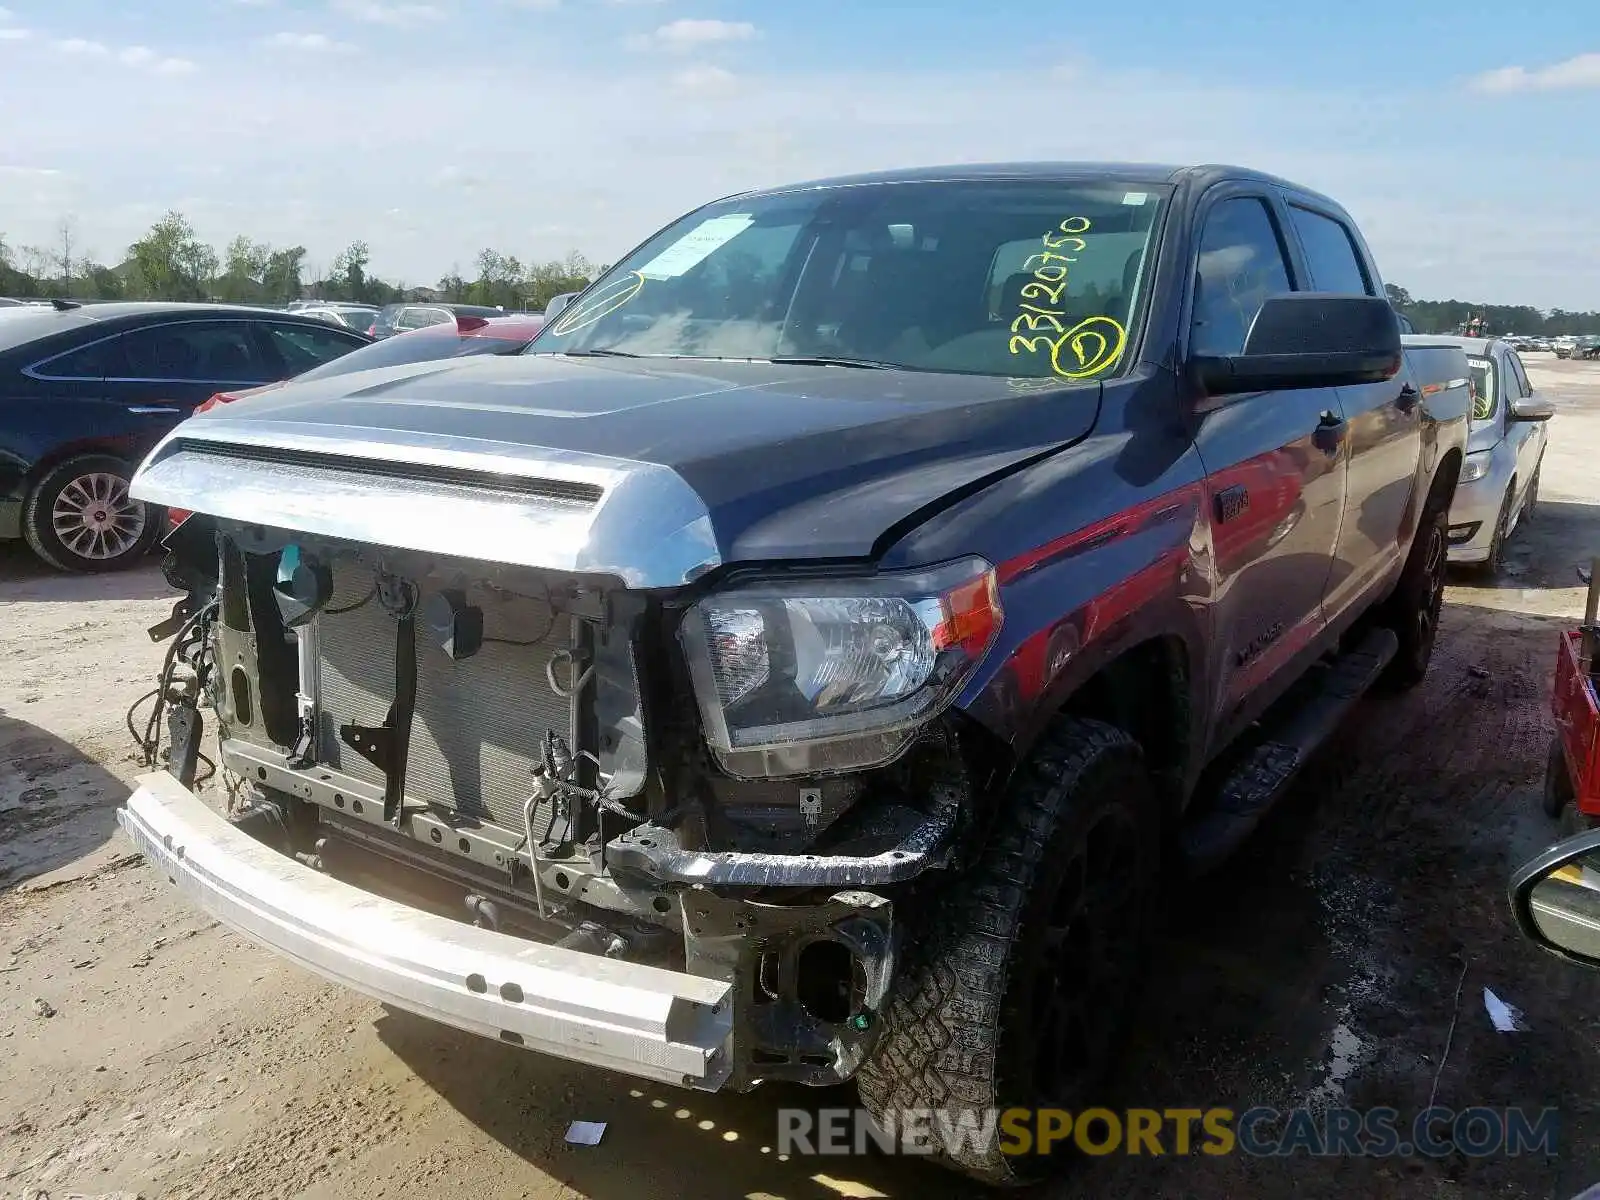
(650, 528)
(147, 409)
(642, 1021)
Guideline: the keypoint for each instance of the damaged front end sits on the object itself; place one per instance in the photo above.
(726, 776)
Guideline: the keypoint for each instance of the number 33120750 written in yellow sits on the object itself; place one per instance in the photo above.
(1078, 351)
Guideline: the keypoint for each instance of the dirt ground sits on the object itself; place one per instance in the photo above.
(144, 1050)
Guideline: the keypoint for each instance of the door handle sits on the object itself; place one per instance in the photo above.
(1407, 400)
(1330, 431)
(147, 409)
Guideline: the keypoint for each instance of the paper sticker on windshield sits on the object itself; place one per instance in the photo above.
(1135, 197)
(693, 247)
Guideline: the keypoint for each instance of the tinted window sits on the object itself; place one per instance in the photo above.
(1524, 388)
(1241, 265)
(1021, 279)
(413, 348)
(86, 362)
(302, 347)
(1331, 255)
(220, 352)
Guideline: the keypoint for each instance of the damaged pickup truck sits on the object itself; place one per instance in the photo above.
(807, 659)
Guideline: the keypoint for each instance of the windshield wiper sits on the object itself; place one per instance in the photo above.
(828, 360)
(598, 354)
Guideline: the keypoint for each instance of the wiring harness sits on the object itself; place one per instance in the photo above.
(186, 678)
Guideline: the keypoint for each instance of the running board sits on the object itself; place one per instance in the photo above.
(1262, 778)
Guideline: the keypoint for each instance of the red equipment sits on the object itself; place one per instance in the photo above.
(1572, 775)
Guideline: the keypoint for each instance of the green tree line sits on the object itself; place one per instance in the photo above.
(1453, 316)
(171, 262)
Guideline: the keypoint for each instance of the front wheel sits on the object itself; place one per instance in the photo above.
(1418, 600)
(1017, 986)
(80, 517)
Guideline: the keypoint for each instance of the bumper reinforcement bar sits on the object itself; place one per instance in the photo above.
(640, 1020)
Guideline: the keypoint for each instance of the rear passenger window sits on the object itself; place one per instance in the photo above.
(1330, 253)
(302, 347)
(194, 351)
(1241, 265)
(86, 362)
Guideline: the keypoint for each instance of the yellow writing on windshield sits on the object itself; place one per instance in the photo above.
(1077, 350)
(603, 303)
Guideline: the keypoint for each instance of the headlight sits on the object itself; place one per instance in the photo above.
(1475, 466)
(813, 676)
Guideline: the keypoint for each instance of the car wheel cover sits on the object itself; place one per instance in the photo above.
(94, 518)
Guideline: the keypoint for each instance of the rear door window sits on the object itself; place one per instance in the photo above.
(86, 362)
(302, 347)
(1330, 253)
(191, 351)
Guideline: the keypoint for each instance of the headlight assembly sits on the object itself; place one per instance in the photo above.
(1475, 466)
(812, 676)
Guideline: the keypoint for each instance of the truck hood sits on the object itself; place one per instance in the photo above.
(653, 470)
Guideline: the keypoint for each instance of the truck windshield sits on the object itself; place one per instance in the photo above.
(1032, 279)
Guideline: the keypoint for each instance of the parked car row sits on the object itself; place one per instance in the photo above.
(1577, 346)
(87, 390)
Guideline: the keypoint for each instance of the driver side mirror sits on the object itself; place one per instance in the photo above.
(1532, 408)
(1308, 340)
(1556, 899)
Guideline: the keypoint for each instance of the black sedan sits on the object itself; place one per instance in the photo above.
(87, 390)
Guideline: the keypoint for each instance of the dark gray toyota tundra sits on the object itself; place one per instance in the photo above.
(802, 663)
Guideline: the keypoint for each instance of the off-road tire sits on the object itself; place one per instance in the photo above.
(1557, 783)
(963, 1030)
(39, 531)
(1413, 611)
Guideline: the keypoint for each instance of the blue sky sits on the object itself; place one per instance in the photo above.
(1461, 138)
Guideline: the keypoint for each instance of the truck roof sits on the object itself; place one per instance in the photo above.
(1113, 172)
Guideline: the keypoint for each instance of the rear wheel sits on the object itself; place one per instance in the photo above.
(80, 517)
(1021, 973)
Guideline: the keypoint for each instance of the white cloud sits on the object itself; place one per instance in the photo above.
(136, 56)
(175, 66)
(14, 35)
(705, 81)
(383, 12)
(1581, 71)
(602, 184)
(7, 15)
(689, 34)
(310, 43)
(82, 47)
(36, 172)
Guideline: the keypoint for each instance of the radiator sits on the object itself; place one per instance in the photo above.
(479, 723)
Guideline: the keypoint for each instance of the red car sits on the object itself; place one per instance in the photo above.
(468, 335)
